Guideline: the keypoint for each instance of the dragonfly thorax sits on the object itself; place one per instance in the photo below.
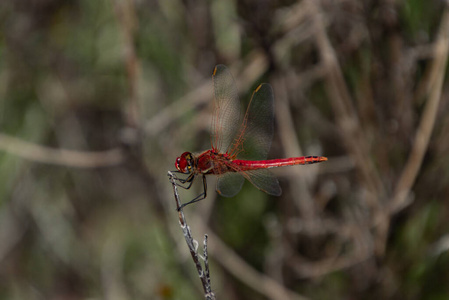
(185, 163)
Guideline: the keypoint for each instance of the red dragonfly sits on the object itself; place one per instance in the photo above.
(240, 143)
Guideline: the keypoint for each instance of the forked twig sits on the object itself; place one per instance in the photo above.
(192, 244)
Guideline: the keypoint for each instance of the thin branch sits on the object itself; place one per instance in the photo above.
(353, 246)
(345, 114)
(192, 244)
(128, 22)
(63, 157)
(424, 131)
(299, 185)
(351, 130)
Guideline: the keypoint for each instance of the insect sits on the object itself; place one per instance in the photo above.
(239, 143)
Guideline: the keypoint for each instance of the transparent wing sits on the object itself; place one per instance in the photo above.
(256, 132)
(264, 180)
(229, 184)
(244, 136)
(228, 114)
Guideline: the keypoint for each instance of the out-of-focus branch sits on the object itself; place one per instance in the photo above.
(63, 157)
(299, 186)
(351, 130)
(336, 258)
(235, 265)
(11, 232)
(424, 131)
(128, 22)
(344, 111)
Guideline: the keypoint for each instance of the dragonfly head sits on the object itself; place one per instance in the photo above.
(185, 162)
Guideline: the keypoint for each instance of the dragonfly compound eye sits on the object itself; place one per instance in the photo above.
(181, 164)
(185, 162)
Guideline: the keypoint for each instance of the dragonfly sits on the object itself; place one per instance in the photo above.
(239, 143)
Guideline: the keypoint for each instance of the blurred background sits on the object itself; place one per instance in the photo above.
(98, 98)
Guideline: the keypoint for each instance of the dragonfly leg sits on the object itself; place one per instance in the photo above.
(188, 180)
(199, 197)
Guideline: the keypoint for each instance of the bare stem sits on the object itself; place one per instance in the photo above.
(203, 274)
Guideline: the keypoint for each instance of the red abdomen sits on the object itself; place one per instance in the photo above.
(273, 163)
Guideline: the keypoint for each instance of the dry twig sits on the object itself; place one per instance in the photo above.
(193, 244)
